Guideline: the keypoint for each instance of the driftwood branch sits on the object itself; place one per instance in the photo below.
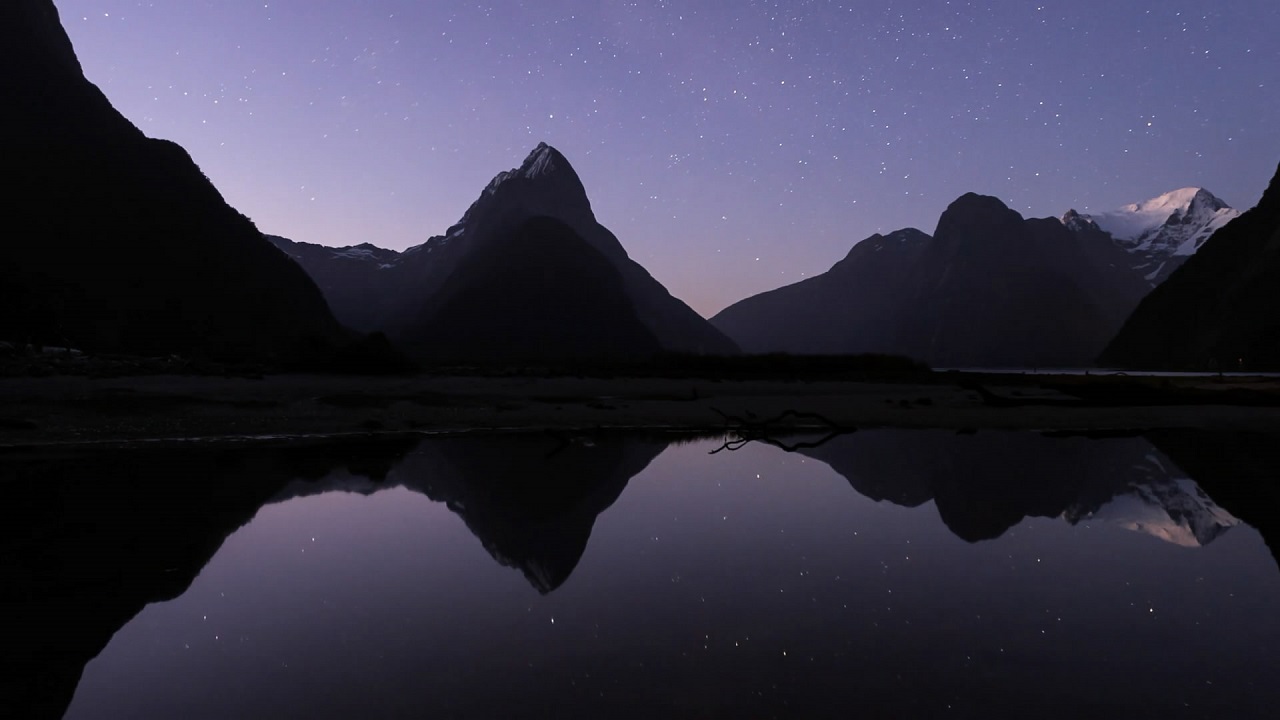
(742, 431)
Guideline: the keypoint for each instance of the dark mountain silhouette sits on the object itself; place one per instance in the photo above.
(406, 291)
(987, 483)
(1220, 310)
(988, 289)
(995, 289)
(537, 293)
(117, 242)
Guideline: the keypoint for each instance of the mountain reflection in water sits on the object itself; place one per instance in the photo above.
(90, 541)
(985, 484)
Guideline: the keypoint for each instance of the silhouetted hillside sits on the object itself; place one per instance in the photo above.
(118, 243)
(1220, 310)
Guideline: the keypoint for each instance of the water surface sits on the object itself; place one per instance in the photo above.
(885, 573)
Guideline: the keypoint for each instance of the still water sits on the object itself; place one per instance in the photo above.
(881, 574)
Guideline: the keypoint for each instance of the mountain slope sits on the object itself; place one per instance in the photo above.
(399, 295)
(848, 309)
(124, 245)
(1220, 310)
(538, 292)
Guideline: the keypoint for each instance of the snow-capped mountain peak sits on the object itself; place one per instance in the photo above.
(1176, 222)
(1161, 232)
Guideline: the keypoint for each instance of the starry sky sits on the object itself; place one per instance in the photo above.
(733, 146)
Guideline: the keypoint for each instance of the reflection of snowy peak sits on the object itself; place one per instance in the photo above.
(1163, 505)
(1160, 233)
(1178, 512)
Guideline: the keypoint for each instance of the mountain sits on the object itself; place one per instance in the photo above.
(403, 295)
(989, 288)
(1161, 233)
(118, 242)
(1220, 310)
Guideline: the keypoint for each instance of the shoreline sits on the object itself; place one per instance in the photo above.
(69, 412)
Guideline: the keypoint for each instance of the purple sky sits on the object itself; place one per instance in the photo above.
(733, 147)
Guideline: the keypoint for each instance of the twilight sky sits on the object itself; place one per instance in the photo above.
(732, 145)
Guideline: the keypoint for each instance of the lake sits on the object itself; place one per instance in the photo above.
(885, 573)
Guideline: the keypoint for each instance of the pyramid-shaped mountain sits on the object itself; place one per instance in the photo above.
(408, 295)
(1220, 310)
(988, 289)
(118, 242)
